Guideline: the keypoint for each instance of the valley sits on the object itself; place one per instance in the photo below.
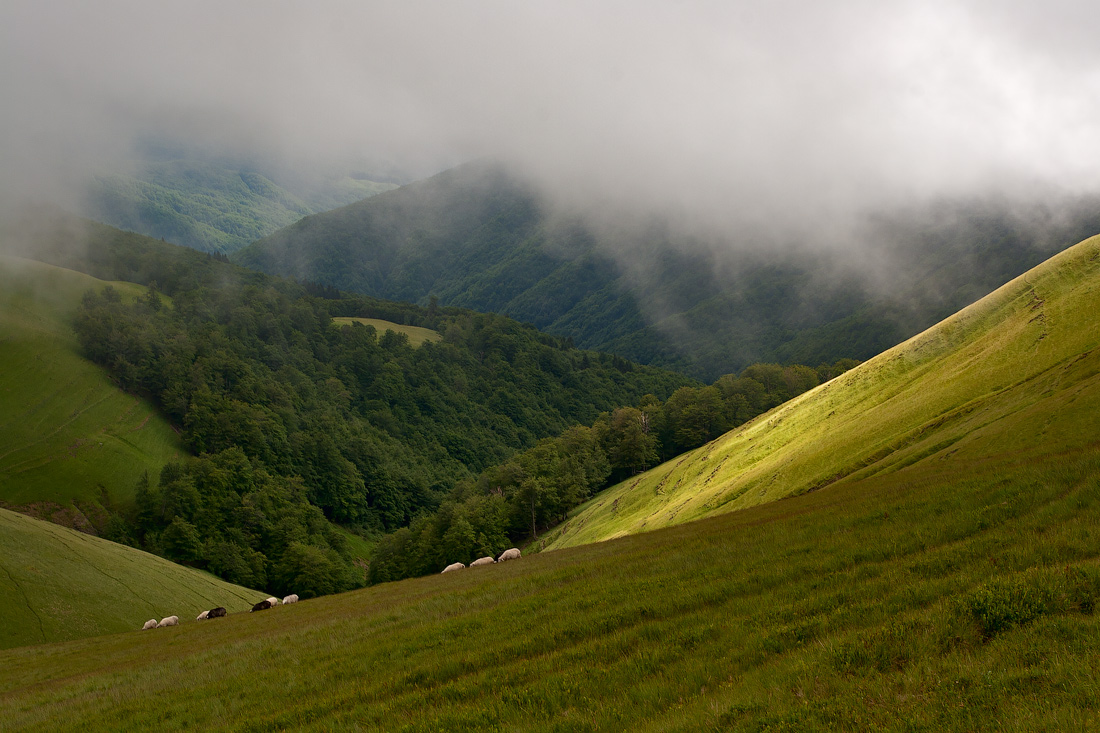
(550, 367)
(480, 236)
(941, 575)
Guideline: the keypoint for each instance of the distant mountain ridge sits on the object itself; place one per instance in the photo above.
(211, 206)
(478, 237)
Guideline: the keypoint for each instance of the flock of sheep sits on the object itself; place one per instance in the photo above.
(219, 612)
(512, 554)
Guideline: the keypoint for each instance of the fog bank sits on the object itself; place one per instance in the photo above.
(757, 124)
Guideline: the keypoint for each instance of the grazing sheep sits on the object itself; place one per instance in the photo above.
(150, 624)
(292, 598)
(202, 616)
(483, 561)
(453, 566)
(261, 606)
(170, 621)
(216, 612)
(273, 601)
(512, 554)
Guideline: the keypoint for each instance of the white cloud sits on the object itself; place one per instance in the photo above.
(746, 116)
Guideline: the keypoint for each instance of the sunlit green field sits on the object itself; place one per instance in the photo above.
(416, 334)
(1012, 375)
(66, 431)
(58, 584)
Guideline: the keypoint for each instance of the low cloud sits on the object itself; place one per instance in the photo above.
(754, 123)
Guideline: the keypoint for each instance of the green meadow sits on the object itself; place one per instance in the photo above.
(1013, 375)
(908, 605)
(59, 584)
(416, 334)
(912, 567)
(67, 433)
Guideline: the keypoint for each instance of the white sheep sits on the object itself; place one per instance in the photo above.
(170, 621)
(483, 561)
(202, 616)
(273, 601)
(512, 554)
(453, 566)
(150, 624)
(292, 598)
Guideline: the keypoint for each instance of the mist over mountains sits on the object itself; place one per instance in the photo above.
(216, 205)
(484, 238)
(774, 121)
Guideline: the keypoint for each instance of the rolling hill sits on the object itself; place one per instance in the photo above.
(890, 605)
(1010, 381)
(73, 443)
(948, 581)
(57, 584)
(480, 238)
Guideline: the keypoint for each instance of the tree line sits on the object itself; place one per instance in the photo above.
(534, 489)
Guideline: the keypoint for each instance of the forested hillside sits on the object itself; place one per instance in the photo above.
(213, 206)
(72, 444)
(298, 420)
(511, 503)
(479, 238)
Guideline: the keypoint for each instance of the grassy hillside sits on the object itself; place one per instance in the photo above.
(57, 584)
(67, 433)
(478, 238)
(1009, 379)
(416, 334)
(898, 604)
(213, 206)
(946, 589)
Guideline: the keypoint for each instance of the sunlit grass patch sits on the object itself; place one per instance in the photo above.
(416, 334)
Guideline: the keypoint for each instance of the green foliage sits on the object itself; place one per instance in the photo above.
(227, 514)
(509, 503)
(377, 431)
(1005, 603)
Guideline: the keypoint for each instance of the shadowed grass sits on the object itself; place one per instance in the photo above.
(60, 584)
(66, 431)
(855, 607)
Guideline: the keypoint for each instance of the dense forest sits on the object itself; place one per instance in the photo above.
(510, 502)
(334, 423)
(304, 431)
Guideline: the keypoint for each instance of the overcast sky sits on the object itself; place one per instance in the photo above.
(734, 114)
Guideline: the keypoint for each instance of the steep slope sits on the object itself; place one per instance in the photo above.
(1012, 380)
(70, 439)
(212, 206)
(57, 584)
(480, 238)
